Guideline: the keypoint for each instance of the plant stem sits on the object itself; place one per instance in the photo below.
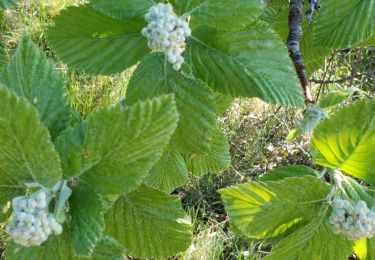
(293, 43)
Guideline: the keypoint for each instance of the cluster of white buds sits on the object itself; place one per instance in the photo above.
(355, 221)
(31, 224)
(167, 32)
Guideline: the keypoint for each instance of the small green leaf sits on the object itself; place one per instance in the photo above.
(195, 103)
(311, 118)
(215, 161)
(119, 145)
(313, 241)
(59, 211)
(333, 99)
(31, 75)
(252, 62)
(347, 141)
(88, 40)
(287, 171)
(153, 224)
(343, 24)
(168, 173)
(26, 152)
(6, 4)
(267, 209)
(87, 224)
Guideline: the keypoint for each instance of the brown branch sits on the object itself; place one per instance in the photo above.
(293, 43)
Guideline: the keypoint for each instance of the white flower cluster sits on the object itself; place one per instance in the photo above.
(355, 221)
(31, 223)
(167, 32)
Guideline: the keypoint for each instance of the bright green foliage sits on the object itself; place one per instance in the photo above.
(223, 14)
(87, 219)
(123, 9)
(120, 145)
(88, 40)
(154, 76)
(108, 249)
(370, 249)
(313, 241)
(152, 224)
(333, 99)
(287, 171)
(267, 209)
(31, 75)
(215, 161)
(26, 151)
(223, 103)
(168, 173)
(252, 62)
(5, 4)
(347, 141)
(342, 24)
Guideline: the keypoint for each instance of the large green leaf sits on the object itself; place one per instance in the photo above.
(168, 173)
(119, 145)
(347, 141)
(215, 161)
(152, 224)
(26, 151)
(313, 241)
(87, 223)
(108, 249)
(252, 62)
(87, 39)
(287, 171)
(266, 209)
(123, 9)
(342, 24)
(195, 103)
(31, 75)
(220, 14)
(5, 4)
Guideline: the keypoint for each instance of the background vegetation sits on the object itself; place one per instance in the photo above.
(257, 131)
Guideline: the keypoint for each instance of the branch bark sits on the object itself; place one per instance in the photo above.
(293, 43)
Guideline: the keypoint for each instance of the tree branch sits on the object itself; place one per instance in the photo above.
(293, 43)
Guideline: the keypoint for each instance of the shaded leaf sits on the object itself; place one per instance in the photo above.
(287, 171)
(6, 4)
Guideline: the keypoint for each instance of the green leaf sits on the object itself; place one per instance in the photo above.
(252, 63)
(223, 103)
(215, 161)
(220, 14)
(122, 9)
(6, 4)
(87, 224)
(108, 249)
(153, 224)
(26, 151)
(168, 173)
(342, 24)
(287, 171)
(333, 99)
(347, 141)
(88, 40)
(31, 75)
(3, 56)
(266, 209)
(370, 249)
(195, 103)
(120, 145)
(313, 241)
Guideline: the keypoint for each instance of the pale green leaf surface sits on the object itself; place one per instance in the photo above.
(313, 241)
(252, 63)
(31, 75)
(5, 4)
(215, 161)
(333, 99)
(88, 40)
(342, 24)
(27, 153)
(168, 173)
(153, 224)
(266, 209)
(347, 141)
(154, 76)
(287, 171)
(108, 249)
(87, 224)
(120, 144)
